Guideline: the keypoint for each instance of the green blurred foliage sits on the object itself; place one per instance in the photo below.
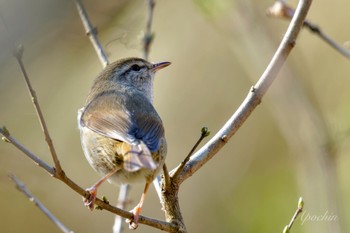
(212, 8)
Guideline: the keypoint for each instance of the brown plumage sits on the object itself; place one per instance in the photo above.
(121, 133)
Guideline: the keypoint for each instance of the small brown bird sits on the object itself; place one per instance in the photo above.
(121, 133)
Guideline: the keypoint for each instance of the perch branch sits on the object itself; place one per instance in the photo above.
(165, 226)
(21, 187)
(280, 9)
(91, 32)
(253, 98)
(59, 173)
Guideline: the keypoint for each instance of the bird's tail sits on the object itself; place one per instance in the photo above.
(137, 156)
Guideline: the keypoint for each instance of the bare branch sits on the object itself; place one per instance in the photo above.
(18, 55)
(296, 214)
(123, 195)
(280, 9)
(91, 32)
(147, 40)
(32, 156)
(253, 98)
(21, 187)
(204, 133)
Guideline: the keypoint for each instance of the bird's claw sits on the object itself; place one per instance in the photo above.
(89, 202)
(133, 223)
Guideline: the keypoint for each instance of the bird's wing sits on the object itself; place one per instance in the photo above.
(128, 120)
(105, 115)
(146, 124)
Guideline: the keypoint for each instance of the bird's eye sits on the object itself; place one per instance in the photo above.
(135, 67)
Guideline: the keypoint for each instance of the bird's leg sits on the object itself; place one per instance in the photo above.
(89, 202)
(133, 223)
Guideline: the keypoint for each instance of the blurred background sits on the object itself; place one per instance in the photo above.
(296, 143)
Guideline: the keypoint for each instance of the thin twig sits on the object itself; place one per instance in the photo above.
(281, 9)
(121, 204)
(21, 187)
(18, 55)
(6, 135)
(315, 29)
(296, 214)
(91, 31)
(165, 226)
(253, 98)
(148, 38)
(204, 133)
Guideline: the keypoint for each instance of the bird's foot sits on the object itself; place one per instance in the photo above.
(89, 202)
(133, 223)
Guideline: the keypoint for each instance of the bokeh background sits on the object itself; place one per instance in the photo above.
(296, 143)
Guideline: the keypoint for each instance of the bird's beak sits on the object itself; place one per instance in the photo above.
(160, 65)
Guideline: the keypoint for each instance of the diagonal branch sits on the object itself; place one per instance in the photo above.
(204, 133)
(298, 211)
(8, 138)
(253, 98)
(18, 55)
(21, 187)
(91, 31)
